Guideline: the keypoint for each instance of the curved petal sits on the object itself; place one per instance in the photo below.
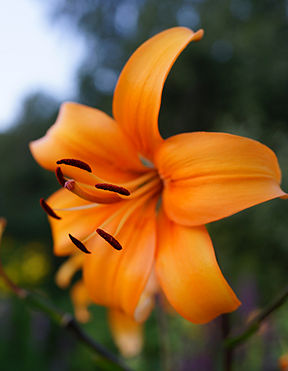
(68, 269)
(209, 176)
(189, 274)
(117, 278)
(81, 301)
(126, 333)
(89, 135)
(147, 299)
(137, 96)
(79, 222)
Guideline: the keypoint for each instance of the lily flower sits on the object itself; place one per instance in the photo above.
(134, 206)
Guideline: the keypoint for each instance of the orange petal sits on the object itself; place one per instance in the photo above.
(137, 96)
(81, 300)
(118, 278)
(126, 333)
(209, 176)
(89, 135)
(147, 299)
(189, 274)
(80, 223)
(68, 269)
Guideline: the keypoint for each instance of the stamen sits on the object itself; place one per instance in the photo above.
(48, 209)
(79, 244)
(110, 239)
(76, 163)
(60, 176)
(113, 188)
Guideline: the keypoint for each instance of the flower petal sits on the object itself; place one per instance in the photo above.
(117, 278)
(209, 176)
(126, 333)
(79, 222)
(68, 269)
(137, 96)
(81, 301)
(89, 135)
(189, 274)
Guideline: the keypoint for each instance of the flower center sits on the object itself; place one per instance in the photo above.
(130, 196)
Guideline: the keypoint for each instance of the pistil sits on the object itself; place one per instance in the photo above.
(102, 197)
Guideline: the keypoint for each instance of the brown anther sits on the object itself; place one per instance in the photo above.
(110, 239)
(48, 209)
(76, 163)
(60, 176)
(113, 188)
(79, 244)
(69, 184)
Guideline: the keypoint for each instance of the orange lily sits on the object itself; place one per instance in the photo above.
(125, 186)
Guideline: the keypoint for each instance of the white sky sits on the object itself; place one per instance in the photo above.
(34, 54)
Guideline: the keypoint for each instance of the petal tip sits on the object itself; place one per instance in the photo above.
(198, 35)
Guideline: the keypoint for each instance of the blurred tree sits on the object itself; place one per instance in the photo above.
(23, 182)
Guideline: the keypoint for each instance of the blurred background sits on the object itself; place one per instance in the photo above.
(235, 80)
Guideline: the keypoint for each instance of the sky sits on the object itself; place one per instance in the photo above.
(35, 54)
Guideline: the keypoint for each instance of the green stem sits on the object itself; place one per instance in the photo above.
(163, 335)
(255, 324)
(64, 320)
(227, 352)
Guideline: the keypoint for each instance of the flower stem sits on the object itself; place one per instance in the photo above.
(227, 352)
(252, 328)
(163, 335)
(65, 320)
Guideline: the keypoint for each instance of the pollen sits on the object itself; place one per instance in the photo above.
(113, 188)
(79, 244)
(76, 163)
(110, 239)
(48, 209)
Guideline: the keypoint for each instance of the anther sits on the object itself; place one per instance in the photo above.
(113, 188)
(48, 209)
(110, 239)
(76, 163)
(60, 176)
(79, 244)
